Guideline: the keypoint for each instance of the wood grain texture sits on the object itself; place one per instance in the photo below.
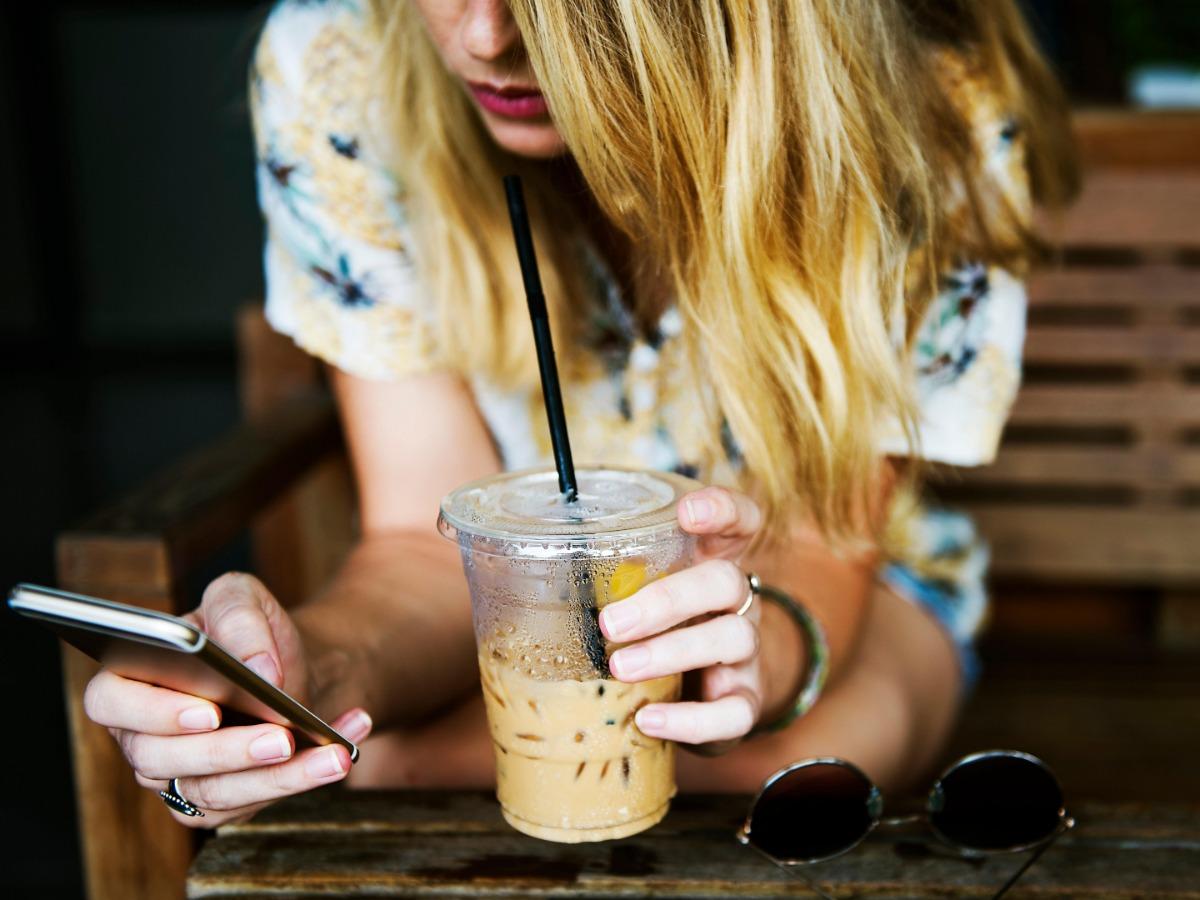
(1119, 208)
(302, 536)
(456, 845)
(1123, 138)
(199, 504)
(132, 848)
(1142, 285)
(1091, 543)
(141, 550)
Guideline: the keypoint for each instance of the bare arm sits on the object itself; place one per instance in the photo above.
(834, 587)
(392, 632)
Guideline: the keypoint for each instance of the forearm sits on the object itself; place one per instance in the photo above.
(889, 712)
(834, 590)
(392, 632)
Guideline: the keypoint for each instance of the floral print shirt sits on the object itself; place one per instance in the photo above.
(341, 283)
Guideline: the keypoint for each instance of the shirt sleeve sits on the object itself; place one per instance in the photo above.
(968, 368)
(967, 348)
(339, 278)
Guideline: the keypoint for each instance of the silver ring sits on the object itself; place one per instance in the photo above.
(175, 800)
(755, 586)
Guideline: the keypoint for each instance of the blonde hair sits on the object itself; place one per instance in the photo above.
(778, 161)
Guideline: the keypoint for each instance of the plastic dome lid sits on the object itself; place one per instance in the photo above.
(525, 508)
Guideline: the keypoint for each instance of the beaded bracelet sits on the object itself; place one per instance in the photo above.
(818, 660)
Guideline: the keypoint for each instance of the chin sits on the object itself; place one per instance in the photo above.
(536, 140)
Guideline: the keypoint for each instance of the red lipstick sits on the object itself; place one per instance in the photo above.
(510, 102)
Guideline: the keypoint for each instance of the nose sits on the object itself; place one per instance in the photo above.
(489, 31)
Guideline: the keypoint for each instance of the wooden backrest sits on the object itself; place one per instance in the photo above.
(1098, 477)
(301, 538)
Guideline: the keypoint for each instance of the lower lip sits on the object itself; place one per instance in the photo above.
(511, 106)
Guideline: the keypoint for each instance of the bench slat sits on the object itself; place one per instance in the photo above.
(1091, 543)
(1123, 346)
(1068, 465)
(1157, 285)
(1123, 208)
(1092, 404)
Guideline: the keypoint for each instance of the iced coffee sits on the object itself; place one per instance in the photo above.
(571, 764)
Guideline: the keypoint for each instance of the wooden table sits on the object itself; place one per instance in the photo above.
(421, 844)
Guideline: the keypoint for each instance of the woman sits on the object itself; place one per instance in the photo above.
(782, 243)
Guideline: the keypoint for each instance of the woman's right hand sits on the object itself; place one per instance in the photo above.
(229, 773)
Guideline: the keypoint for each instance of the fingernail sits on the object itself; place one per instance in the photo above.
(324, 764)
(619, 618)
(630, 661)
(270, 746)
(358, 727)
(649, 720)
(198, 718)
(265, 667)
(699, 510)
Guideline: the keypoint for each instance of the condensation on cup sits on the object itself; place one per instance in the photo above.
(571, 764)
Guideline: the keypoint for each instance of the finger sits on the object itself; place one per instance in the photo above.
(211, 818)
(718, 510)
(151, 784)
(727, 639)
(224, 750)
(124, 703)
(308, 769)
(354, 725)
(234, 616)
(725, 719)
(717, 585)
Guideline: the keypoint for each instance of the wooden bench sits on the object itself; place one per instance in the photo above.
(283, 477)
(397, 844)
(1098, 478)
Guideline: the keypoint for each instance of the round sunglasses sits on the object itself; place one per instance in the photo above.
(998, 801)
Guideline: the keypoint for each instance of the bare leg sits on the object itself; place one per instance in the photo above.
(889, 713)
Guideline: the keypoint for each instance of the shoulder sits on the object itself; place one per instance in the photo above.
(314, 60)
(320, 131)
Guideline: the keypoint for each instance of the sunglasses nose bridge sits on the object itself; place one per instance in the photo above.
(936, 801)
(875, 804)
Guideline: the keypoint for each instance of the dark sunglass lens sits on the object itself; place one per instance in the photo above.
(997, 803)
(813, 812)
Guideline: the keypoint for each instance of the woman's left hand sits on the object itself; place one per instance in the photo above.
(724, 648)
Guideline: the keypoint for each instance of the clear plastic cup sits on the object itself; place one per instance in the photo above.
(571, 764)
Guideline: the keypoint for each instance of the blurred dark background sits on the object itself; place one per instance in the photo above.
(129, 235)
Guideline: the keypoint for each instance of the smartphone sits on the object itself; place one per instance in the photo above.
(170, 652)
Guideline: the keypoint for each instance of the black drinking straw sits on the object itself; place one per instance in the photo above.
(580, 591)
(551, 393)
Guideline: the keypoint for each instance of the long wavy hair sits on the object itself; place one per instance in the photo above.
(785, 166)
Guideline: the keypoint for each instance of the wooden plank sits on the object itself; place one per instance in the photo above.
(1098, 404)
(451, 850)
(1107, 346)
(1018, 464)
(132, 848)
(1091, 544)
(300, 539)
(202, 502)
(271, 368)
(1144, 284)
(128, 563)
(1121, 208)
(1138, 139)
